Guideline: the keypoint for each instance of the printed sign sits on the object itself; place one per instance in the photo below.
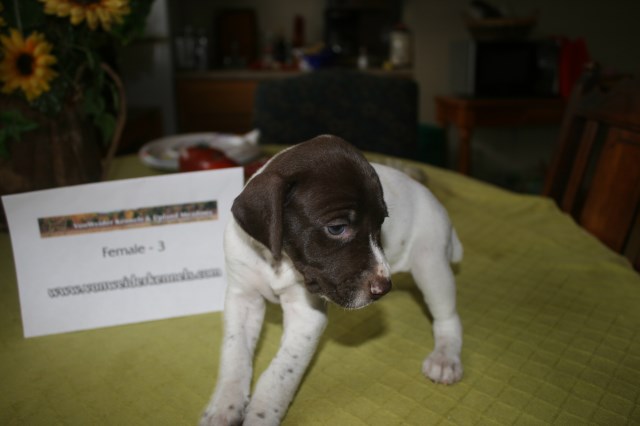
(120, 252)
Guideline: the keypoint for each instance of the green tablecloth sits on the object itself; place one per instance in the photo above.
(552, 335)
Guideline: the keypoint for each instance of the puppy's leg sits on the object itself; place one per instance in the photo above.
(432, 273)
(243, 317)
(304, 321)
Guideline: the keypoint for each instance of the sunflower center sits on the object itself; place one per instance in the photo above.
(24, 63)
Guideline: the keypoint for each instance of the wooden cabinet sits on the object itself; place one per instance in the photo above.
(214, 105)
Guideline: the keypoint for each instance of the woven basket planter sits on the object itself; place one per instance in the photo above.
(63, 150)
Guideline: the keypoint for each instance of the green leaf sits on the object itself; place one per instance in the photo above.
(134, 24)
(93, 103)
(106, 123)
(95, 106)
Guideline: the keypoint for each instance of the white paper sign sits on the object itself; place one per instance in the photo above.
(120, 252)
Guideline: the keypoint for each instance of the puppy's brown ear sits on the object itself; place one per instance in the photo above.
(258, 210)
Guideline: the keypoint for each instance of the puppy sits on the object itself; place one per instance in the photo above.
(319, 223)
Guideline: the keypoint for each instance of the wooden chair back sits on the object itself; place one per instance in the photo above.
(595, 172)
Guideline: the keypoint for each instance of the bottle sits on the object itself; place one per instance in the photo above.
(186, 45)
(400, 47)
(201, 50)
(363, 59)
(280, 49)
(297, 41)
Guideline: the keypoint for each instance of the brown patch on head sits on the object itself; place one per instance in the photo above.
(322, 204)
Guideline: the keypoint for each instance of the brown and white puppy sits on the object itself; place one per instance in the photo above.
(317, 223)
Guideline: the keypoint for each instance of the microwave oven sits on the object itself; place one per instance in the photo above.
(499, 69)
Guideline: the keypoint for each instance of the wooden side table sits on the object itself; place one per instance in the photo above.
(468, 113)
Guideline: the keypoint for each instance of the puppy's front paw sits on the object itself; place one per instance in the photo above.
(442, 367)
(231, 415)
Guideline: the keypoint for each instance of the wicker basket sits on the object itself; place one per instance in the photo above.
(61, 151)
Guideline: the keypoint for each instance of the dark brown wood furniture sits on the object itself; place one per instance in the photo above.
(468, 113)
(595, 173)
(215, 104)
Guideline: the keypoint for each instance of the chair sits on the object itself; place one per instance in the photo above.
(595, 172)
(374, 113)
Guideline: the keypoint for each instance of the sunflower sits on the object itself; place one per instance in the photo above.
(103, 12)
(26, 64)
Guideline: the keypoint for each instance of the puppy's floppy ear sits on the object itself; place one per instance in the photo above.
(258, 210)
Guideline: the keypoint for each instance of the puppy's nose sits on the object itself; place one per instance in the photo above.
(379, 288)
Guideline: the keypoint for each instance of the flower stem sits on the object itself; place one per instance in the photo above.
(18, 18)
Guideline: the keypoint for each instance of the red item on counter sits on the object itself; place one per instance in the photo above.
(574, 56)
(203, 158)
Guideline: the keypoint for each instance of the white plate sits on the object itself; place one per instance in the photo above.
(163, 153)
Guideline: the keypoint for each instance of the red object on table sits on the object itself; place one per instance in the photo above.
(203, 158)
(251, 168)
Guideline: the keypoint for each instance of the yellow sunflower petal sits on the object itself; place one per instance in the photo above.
(64, 9)
(16, 37)
(92, 19)
(5, 41)
(102, 13)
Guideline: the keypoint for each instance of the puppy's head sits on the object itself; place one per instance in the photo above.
(321, 203)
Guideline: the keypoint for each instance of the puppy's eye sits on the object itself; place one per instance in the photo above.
(336, 229)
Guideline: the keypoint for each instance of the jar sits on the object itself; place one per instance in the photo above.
(400, 47)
